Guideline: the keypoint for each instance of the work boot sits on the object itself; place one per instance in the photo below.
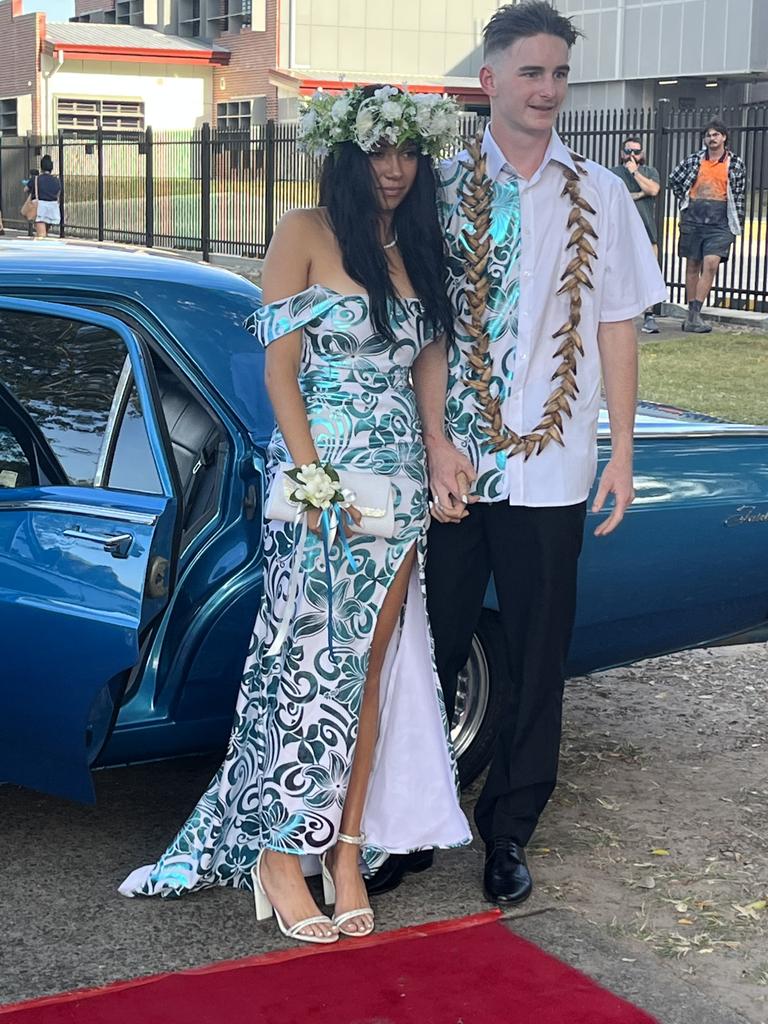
(694, 322)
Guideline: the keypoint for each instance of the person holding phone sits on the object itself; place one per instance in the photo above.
(643, 182)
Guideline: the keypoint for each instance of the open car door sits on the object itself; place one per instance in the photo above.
(88, 535)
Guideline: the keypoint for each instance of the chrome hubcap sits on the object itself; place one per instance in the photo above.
(471, 699)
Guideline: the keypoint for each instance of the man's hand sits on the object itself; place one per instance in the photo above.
(616, 480)
(631, 164)
(451, 476)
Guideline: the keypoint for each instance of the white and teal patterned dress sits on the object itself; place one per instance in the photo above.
(284, 778)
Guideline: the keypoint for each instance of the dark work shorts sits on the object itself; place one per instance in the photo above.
(705, 235)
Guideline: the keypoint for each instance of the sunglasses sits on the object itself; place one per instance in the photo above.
(630, 151)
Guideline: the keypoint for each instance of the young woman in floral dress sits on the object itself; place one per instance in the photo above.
(340, 743)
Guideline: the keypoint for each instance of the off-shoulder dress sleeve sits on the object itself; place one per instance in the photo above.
(273, 321)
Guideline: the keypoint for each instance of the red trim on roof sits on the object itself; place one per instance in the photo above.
(306, 86)
(137, 54)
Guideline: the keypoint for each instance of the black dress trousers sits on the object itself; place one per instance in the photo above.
(533, 555)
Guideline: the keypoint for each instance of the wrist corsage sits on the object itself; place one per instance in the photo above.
(316, 486)
(306, 488)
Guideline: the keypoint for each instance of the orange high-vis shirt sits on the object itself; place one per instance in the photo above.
(712, 181)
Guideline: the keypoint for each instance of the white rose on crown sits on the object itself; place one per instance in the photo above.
(364, 121)
(308, 121)
(340, 108)
(392, 110)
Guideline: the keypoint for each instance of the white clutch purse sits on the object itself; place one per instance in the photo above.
(374, 499)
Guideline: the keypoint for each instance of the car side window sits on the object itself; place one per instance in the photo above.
(15, 468)
(67, 376)
(133, 467)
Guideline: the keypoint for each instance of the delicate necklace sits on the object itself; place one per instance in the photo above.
(392, 244)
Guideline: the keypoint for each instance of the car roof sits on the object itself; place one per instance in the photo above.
(200, 306)
(77, 256)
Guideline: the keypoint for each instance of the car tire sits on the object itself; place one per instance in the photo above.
(480, 699)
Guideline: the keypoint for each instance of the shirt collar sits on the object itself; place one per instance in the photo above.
(727, 154)
(496, 162)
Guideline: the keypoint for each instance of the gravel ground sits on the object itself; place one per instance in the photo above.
(657, 831)
(650, 863)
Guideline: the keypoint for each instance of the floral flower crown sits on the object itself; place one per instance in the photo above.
(388, 116)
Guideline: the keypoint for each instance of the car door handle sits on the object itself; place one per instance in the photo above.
(117, 544)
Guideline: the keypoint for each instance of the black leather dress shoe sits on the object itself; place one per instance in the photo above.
(506, 878)
(395, 868)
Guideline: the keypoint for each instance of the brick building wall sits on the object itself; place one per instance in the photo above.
(89, 6)
(20, 36)
(253, 55)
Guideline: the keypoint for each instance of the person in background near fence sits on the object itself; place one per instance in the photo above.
(710, 186)
(48, 195)
(30, 191)
(642, 180)
(524, 219)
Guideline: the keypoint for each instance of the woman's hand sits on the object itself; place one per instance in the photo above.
(357, 518)
(451, 476)
(313, 520)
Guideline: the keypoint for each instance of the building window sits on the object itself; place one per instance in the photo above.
(129, 12)
(9, 121)
(189, 17)
(234, 114)
(85, 117)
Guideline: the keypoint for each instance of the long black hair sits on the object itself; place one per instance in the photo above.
(347, 191)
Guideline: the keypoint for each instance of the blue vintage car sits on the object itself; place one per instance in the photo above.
(133, 421)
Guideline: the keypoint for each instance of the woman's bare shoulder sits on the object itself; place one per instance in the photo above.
(303, 220)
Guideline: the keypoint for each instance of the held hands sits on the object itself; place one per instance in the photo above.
(616, 480)
(451, 476)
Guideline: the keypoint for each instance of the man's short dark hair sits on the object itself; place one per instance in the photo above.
(717, 125)
(519, 21)
(46, 164)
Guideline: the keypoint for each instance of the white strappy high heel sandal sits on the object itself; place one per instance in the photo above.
(329, 894)
(265, 908)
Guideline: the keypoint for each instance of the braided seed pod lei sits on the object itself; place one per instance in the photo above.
(476, 206)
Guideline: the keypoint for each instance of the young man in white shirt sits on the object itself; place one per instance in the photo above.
(545, 285)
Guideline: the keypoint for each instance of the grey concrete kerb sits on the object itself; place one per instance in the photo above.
(719, 315)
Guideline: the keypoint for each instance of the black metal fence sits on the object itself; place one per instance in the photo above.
(217, 190)
(668, 137)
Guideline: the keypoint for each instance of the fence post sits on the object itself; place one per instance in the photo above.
(62, 200)
(205, 191)
(100, 181)
(269, 182)
(149, 189)
(661, 162)
(1, 177)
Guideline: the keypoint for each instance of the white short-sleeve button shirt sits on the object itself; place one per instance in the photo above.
(528, 256)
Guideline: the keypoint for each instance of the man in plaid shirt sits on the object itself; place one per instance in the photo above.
(710, 186)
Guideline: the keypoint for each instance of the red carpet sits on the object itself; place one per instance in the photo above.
(469, 971)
